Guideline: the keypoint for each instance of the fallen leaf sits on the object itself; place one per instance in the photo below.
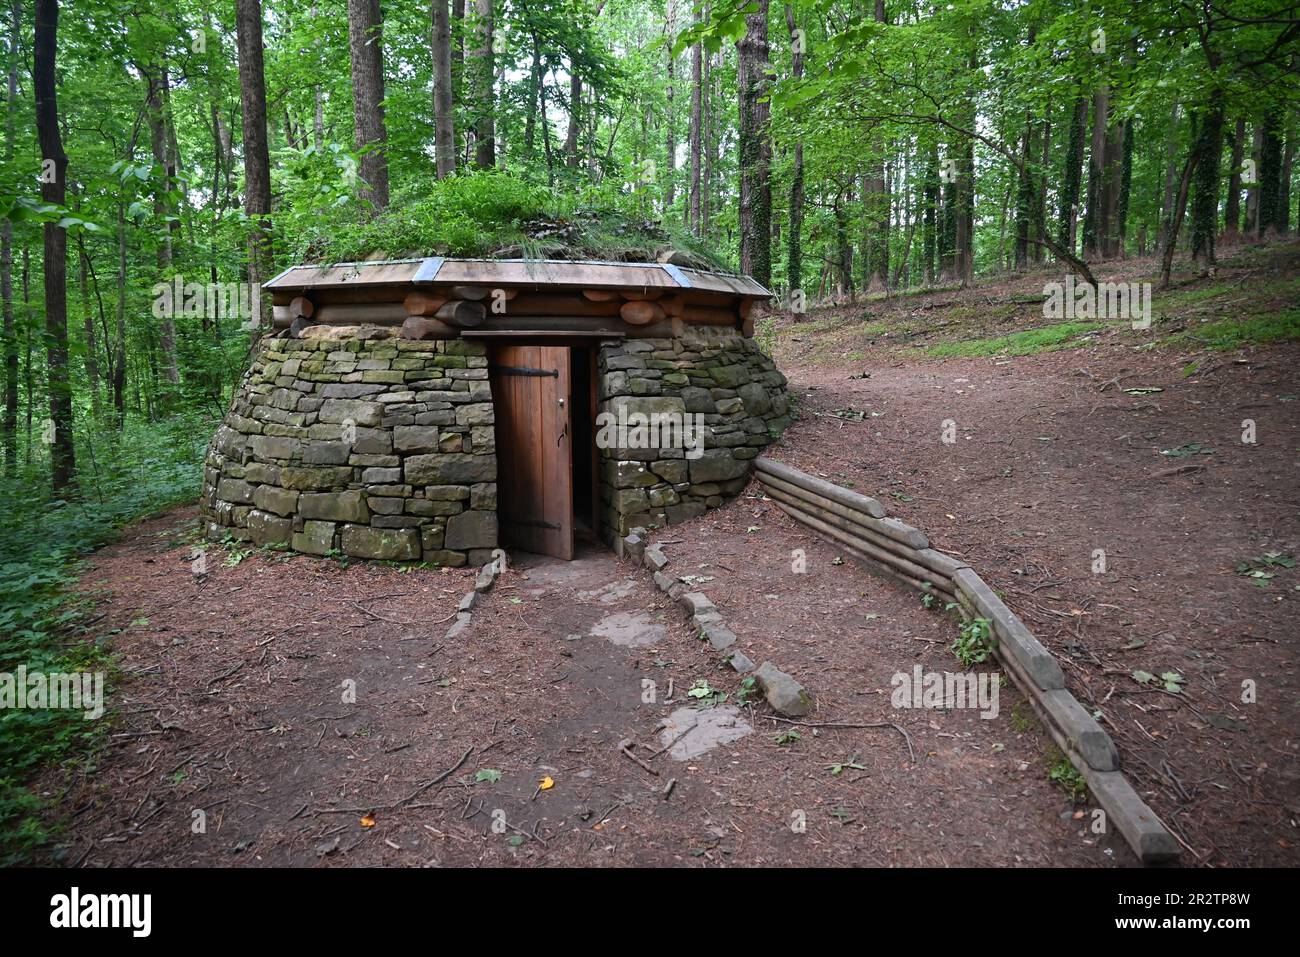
(368, 821)
(546, 783)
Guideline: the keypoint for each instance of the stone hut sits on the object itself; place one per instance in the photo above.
(436, 409)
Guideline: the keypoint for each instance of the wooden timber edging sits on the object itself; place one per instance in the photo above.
(903, 554)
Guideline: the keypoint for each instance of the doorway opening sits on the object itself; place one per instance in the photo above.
(586, 460)
(545, 404)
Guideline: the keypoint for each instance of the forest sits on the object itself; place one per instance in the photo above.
(160, 162)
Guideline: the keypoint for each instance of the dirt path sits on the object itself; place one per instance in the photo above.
(233, 704)
(1059, 455)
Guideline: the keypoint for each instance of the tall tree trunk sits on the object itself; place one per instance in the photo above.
(482, 77)
(156, 78)
(1094, 227)
(318, 98)
(9, 422)
(88, 324)
(257, 163)
(458, 51)
(366, 44)
(443, 108)
(1284, 193)
(754, 149)
(1205, 197)
(1175, 221)
(54, 171)
(875, 201)
(1171, 173)
(1125, 189)
(794, 234)
(1038, 214)
(1232, 210)
(1024, 195)
(1252, 190)
(571, 159)
(670, 124)
(1270, 173)
(119, 341)
(843, 249)
(697, 134)
(1068, 210)
(929, 233)
(1111, 187)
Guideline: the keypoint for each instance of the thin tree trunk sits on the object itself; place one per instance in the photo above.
(1284, 193)
(1175, 221)
(1125, 188)
(156, 78)
(929, 232)
(1252, 191)
(63, 458)
(697, 134)
(9, 424)
(1038, 218)
(1232, 209)
(670, 125)
(88, 323)
(1171, 174)
(794, 234)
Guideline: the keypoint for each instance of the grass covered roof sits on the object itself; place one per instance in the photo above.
(497, 215)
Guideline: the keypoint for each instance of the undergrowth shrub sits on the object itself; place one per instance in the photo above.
(122, 476)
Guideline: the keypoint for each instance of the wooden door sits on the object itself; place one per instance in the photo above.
(530, 388)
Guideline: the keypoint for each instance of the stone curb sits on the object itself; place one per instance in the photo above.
(487, 576)
(786, 695)
(1030, 664)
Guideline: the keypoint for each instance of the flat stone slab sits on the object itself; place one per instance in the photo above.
(614, 591)
(697, 731)
(630, 629)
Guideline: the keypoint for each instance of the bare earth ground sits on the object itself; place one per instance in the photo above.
(232, 704)
(1054, 459)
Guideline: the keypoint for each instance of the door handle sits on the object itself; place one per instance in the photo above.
(563, 433)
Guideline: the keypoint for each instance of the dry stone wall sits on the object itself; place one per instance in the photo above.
(369, 447)
(711, 372)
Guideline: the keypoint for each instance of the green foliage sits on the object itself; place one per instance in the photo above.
(146, 468)
(974, 644)
(485, 213)
(1029, 342)
(1222, 334)
(1067, 776)
(1263, 568)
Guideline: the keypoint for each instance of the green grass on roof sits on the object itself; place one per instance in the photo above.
(493, 214)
